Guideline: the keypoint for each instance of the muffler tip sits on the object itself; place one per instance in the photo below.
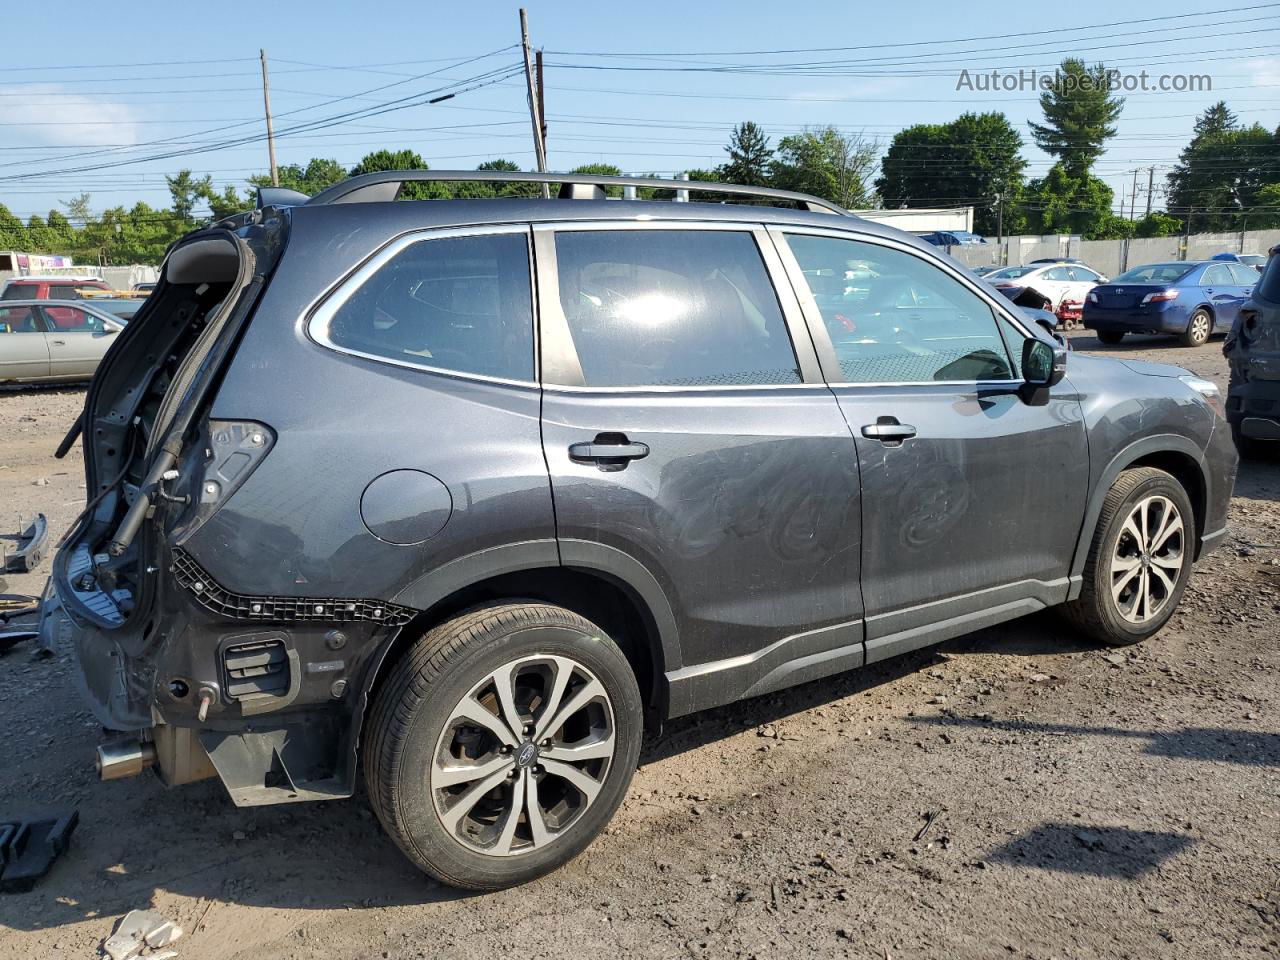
(124, 758)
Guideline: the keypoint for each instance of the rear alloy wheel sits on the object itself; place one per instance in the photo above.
(1111, 337)
(1139, 561)
(503, 743)
(1198, 329)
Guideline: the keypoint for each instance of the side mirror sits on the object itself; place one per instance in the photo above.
(109, 328)
(1043, 364)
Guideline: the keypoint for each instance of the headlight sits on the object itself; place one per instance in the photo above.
(1207, 389)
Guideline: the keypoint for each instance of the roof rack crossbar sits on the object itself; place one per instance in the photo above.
(386, 185)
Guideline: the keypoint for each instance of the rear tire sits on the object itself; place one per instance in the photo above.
(1198, 329)
(1110, 337)
(1139, 561)
(502, 743)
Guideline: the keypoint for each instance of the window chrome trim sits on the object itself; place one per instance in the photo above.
(317, 324)
(556, 342)
(818, 329)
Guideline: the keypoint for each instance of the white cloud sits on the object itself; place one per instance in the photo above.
(1263, 71)
(51, 114)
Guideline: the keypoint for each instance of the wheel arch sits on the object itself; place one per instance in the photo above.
(1174, 454)
(599, 583)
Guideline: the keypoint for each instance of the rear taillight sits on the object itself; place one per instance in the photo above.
(1250, 325)
(1160, 296)
(1005, 286)
(1093, 297)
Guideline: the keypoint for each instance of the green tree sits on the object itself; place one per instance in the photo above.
(1216, 119)
(186, 192)
(13, 233)
(381, 160)
(828, 164)
(63, 234)
(602, 170)
(1062, 203)
(1268, 217)
(78, 208)
(226, 203)
(319, 174)
(1079, 116)
(1219, 175)
(749, 156)
(972, 160)
(1157, 224)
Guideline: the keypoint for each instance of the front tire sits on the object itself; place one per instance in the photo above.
(1139, 561)
(502, 743)
(1198, 329)
(1110, 337)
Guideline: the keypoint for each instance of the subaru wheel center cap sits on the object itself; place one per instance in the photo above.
(526, 753)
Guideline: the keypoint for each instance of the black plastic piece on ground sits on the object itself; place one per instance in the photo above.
(29, 847)
(31, 544)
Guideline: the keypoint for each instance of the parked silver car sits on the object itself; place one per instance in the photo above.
(53, 339)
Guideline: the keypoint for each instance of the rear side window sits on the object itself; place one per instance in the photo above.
(455, 303)
(59, 291)
(672, 308)
(20, 320)
(1215, 275)
(894, 317)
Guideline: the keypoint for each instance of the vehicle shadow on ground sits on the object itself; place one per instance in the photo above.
(1215, 744)
(332, 855)
(1099, 851)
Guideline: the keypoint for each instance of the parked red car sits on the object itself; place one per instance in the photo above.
(50, 288)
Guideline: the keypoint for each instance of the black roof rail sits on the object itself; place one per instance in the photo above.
(385, 185)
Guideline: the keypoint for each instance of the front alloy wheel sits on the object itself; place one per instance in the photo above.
(1148, 558)
(502, 742)
(1139, 560)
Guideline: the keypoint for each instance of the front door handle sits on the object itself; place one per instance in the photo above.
(608, 449)
(888, 430)
(61, 343)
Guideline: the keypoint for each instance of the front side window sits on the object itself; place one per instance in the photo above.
(1243, 274)
(461, 304)
(73, 320)
(1057, 273)
(672, 308)
(894, 317)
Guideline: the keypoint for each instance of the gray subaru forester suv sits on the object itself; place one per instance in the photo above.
(466, 494)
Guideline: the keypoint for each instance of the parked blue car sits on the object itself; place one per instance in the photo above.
(1190, 299)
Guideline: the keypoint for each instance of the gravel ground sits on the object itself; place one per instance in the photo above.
(1086, 802)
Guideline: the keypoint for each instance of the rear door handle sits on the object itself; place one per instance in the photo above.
(617, 449)
(888, 430)
(61, 343)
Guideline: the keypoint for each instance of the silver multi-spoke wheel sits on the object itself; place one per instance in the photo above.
(523, 755)
(1148, 558)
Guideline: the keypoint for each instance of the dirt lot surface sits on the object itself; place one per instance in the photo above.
(1089, 802)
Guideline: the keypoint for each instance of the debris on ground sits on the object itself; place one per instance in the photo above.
(29, 847)
(32, 540)
(138, 929)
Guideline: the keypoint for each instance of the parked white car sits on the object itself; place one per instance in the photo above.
(53, 339)
(1053, 282)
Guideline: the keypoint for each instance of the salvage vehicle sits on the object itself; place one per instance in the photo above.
(464, 495)
(1252, 349)
(1192, 299)
(1045, 285)
(54, 339)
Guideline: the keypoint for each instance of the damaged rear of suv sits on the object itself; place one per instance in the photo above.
(1252, 349)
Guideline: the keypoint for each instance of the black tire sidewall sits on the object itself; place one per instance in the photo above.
(429, 843)
(1118, 630)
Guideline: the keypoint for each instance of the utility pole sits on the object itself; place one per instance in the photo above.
(266, 104)
(542, 103)
(1133, 195)
(1151, 184)
(999, 218)
(535, 97)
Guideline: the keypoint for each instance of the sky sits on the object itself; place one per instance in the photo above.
(107, 104)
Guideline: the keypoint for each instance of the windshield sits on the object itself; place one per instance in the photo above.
(1155, 273)
(1011, 273)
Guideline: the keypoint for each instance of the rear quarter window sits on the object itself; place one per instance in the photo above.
(461, 304)
(19, 291)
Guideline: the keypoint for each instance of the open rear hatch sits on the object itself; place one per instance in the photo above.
(145, 438)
